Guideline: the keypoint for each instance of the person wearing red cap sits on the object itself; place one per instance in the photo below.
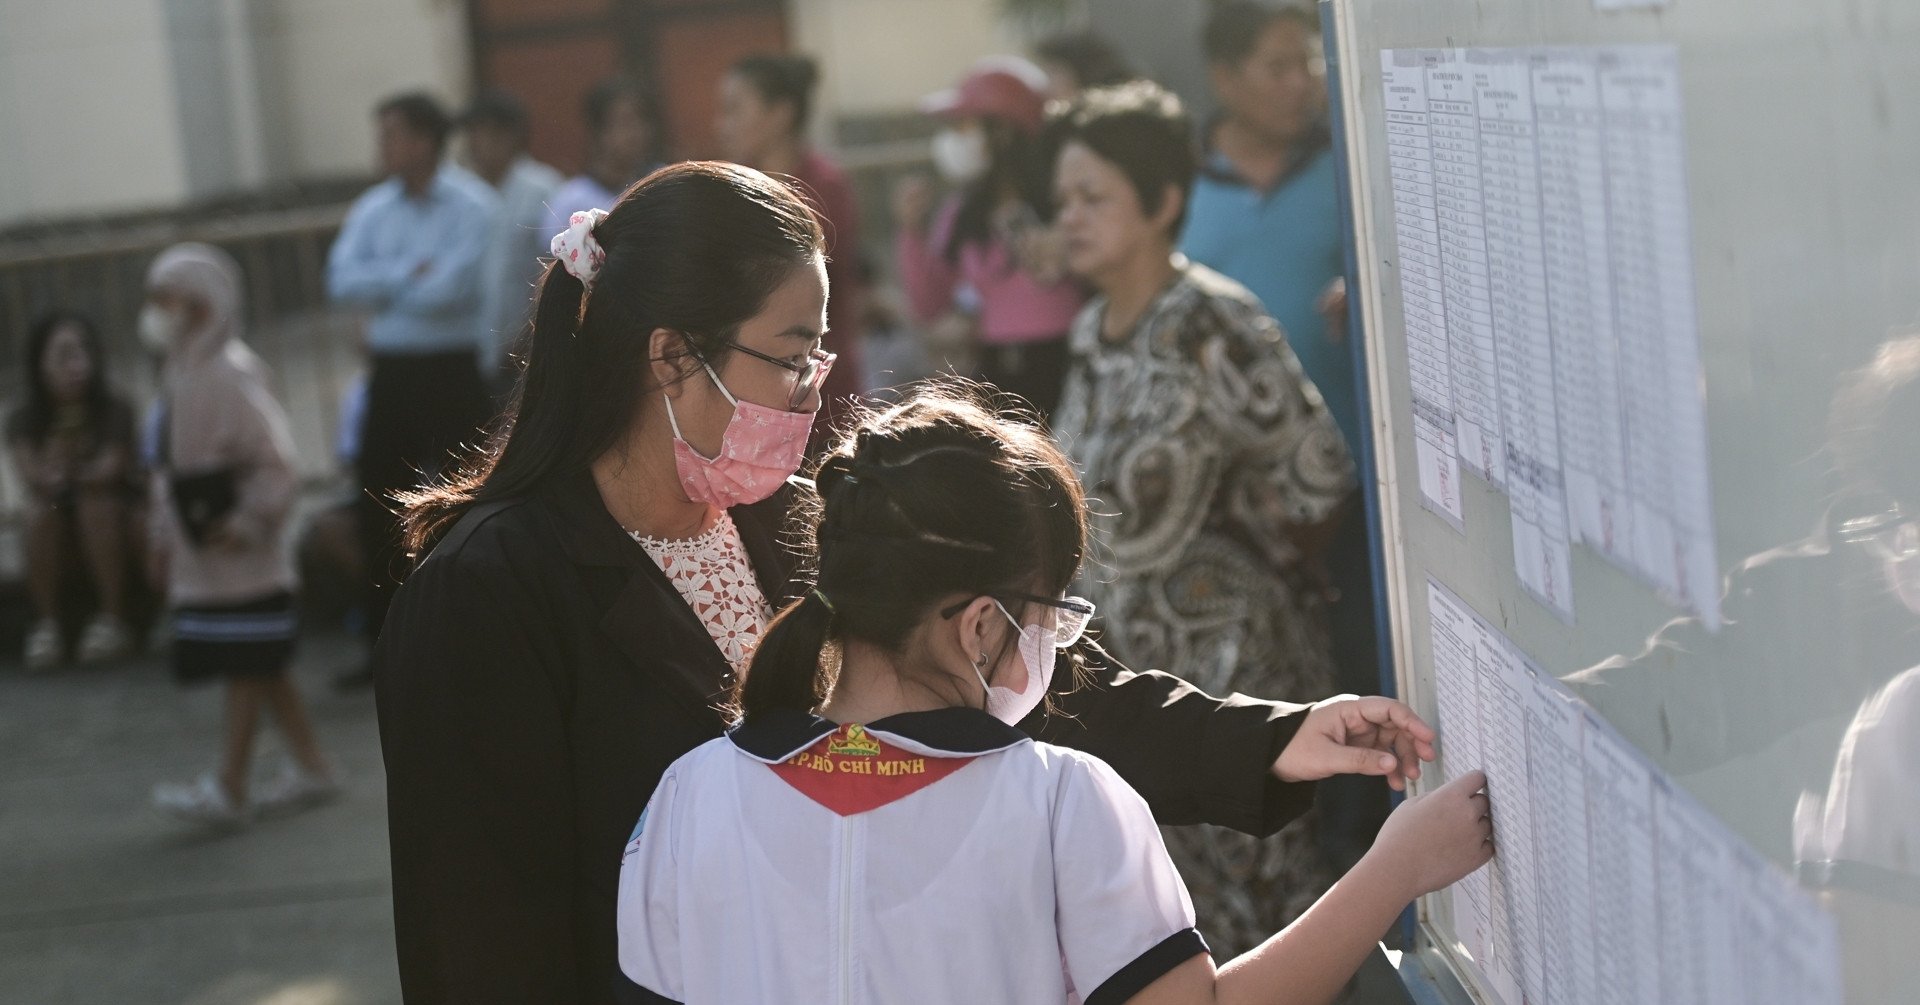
(987, 251)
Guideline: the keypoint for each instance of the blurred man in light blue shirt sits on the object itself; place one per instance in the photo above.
(410, 255)
(409, 252)
(496, 130)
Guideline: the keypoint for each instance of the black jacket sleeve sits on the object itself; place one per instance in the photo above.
(479, 786)
(1195, 758)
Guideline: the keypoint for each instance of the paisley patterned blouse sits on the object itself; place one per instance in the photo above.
(1201, 442)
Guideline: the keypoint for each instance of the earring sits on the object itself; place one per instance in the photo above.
(981, 662)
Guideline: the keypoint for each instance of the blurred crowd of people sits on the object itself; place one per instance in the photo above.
(1165, 295)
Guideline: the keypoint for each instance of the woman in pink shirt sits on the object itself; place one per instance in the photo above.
(987, 251)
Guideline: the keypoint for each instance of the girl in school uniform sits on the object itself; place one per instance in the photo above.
(876, 830)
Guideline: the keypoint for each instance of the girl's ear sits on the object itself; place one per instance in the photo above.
(981, 630)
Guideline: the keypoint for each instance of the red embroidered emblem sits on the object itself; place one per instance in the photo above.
(849, 771)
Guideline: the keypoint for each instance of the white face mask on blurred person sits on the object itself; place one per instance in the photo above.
(960, 156)
(159, 328)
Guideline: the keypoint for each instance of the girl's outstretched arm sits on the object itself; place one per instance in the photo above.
(1429, 842)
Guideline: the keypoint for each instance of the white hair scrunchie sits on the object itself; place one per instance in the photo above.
(576, 249)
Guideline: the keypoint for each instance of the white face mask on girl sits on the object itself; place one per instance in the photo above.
(1037, 656)
(960, 157)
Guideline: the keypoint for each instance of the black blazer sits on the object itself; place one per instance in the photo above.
(538, 673)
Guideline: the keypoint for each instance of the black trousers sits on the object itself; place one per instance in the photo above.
(421, 411)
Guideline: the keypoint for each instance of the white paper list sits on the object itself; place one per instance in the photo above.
(1505, 684)
(1510, 200)
(1454, 637)
(1610, 883)
(1556, 281)
(1573, 212)
(1417, 230)
(1555, 759)
(1472, 355)
(1650, 257)
(1809, 941)
(1620, 836)
(1695, 888)
(1800, 942)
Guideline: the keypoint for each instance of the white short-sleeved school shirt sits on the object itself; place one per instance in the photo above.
(928, 857)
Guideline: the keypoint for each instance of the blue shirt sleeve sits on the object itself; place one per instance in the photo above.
(356, 274)
(451, 280)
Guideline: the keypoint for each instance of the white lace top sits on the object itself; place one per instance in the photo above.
(713, 575)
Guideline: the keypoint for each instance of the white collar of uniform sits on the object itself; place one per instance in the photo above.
(775, 736)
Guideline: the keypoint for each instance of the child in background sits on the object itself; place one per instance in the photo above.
(221, 498)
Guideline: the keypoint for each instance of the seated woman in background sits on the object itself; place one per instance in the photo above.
(1218, 470)
(72, 443)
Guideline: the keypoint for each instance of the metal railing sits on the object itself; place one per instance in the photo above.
(311, 351)
(99, 269)
(281, 253)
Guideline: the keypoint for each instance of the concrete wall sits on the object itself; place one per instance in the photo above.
(87, 109)
(114, 105)
(333, 60)
(884, 55)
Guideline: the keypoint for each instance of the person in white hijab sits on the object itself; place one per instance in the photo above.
(222, 493)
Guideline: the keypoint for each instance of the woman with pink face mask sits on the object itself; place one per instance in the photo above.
(593, 581)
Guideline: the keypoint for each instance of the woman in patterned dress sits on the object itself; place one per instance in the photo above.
(1217, 469)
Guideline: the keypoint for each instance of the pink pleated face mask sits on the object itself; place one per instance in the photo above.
(761, 448)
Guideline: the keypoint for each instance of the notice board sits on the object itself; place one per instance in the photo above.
(1638, 286)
